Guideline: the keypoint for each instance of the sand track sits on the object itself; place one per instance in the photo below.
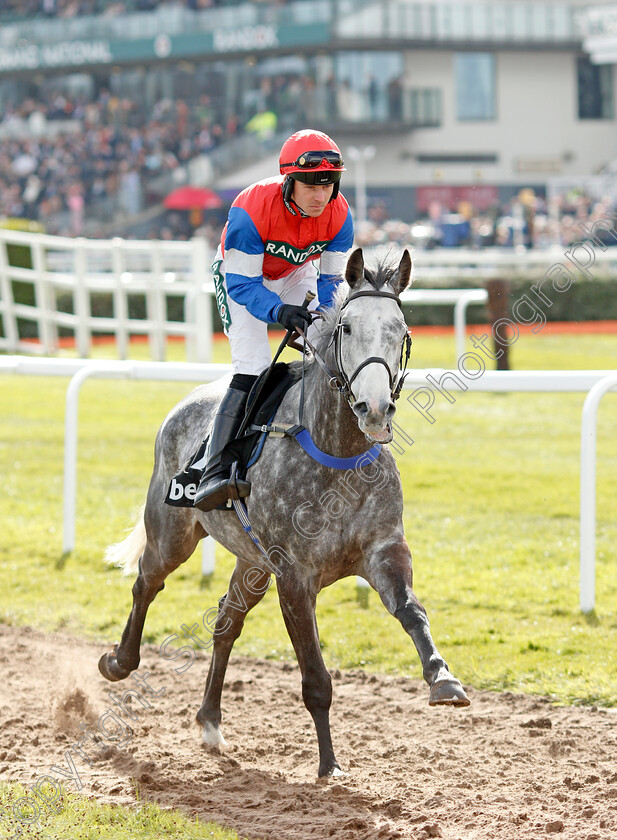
(507, 767)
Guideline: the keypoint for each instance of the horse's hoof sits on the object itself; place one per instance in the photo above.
(448, 693)
(333, 772)
(109, 668)
(213, 737)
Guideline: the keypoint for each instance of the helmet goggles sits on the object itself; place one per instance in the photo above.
(311, 160)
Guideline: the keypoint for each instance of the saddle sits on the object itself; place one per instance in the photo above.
(243, 451)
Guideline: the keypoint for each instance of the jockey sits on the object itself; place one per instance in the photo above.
(276, 232)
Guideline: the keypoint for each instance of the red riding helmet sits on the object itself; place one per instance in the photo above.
(313, 158)
(307, 153)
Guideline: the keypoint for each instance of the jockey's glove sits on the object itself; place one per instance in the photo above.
(294, 317)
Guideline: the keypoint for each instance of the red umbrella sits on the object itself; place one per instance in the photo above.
(193, 198)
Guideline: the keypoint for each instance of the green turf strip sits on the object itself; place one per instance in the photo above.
(74, 817)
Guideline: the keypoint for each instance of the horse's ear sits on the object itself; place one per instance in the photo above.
(400, 281)
(355, 268)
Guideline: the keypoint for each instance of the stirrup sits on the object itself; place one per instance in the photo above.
(223, 493)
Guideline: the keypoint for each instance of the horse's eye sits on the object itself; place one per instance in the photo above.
(346, 329)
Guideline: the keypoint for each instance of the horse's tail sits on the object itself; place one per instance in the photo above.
(126, 554)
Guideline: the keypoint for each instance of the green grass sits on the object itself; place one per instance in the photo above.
(79, 818)
(491, 514)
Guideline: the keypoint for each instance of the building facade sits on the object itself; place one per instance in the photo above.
(460, 101)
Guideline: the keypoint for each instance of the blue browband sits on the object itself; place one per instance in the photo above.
(306, 442)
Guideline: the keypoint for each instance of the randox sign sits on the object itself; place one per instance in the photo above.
(245, 38)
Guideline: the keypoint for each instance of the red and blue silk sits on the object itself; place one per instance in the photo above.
(263, 240)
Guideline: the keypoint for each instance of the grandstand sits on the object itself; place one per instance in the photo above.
(107, 106)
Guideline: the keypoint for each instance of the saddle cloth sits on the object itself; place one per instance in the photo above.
(246, 449)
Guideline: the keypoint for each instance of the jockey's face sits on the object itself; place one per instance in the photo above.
(312, 199)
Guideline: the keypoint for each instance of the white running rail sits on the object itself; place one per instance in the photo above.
(588, 490)
(595, 383)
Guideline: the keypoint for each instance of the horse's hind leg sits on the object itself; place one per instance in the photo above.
(298, 608)
(170, 541)
(389, 571)
(247, 587)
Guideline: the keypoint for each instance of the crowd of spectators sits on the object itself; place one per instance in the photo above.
(532, 222)
(108, 152)
(20, 9)
(105, 155)
(566, 222)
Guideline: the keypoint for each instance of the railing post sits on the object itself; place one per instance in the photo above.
(45, 299)
(460, 323)
(362, 591)
(83, 327)
(71, 418)
(7, 307)
(121, 309)
(208, 559)
(198, 305)
(588, 491)
(498, 307)
(69, 494)
(155, 306)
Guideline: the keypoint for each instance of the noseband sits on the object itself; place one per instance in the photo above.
(338, 378)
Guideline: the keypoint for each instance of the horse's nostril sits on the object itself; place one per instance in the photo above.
(386, 409)
(361, 408)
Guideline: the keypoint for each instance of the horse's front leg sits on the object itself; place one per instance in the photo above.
(297, 600)
(389, 571)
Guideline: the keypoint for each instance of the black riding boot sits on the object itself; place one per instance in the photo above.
(216, 487)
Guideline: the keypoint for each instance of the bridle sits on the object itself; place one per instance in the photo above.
(338, 378)
(396, 380)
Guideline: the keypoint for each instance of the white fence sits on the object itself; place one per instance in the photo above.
(595, 383)
(67, 273)
(461, 263)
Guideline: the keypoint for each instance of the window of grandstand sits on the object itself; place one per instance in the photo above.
(595, 90)
(369, 86)
(474, 75)
(425, 106)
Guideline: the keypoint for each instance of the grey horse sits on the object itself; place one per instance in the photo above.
(312, 523)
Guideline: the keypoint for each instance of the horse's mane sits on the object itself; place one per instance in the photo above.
(376, 278)
(329, 317)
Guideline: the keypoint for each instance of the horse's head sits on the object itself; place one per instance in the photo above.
(371, 335)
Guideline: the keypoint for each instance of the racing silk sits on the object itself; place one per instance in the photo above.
(262, 239)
